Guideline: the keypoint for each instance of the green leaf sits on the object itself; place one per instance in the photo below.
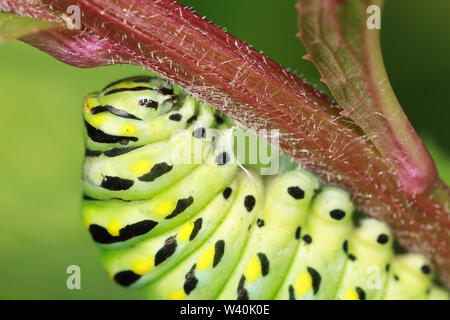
(13, 26)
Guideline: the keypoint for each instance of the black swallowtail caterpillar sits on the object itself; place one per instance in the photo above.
(211, 229)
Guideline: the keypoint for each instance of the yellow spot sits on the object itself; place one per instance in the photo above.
(206, 259)
(253, 270)
(142, 266)
(351, 294)
(128, 129)
(185, 231)
(97, 120)
(114, 228)
(178, 295)
(164, 208)
(141, 167)
(303, 284)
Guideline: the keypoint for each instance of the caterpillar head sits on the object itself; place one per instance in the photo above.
(133, 112)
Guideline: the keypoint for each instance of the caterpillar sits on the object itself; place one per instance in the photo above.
(209, 227)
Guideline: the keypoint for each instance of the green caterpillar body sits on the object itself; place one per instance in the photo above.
(208, 228)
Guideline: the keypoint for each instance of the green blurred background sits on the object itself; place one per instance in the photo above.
(40, 124)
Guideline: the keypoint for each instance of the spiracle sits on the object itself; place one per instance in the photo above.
(177, 216)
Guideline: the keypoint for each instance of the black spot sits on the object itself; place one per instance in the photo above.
(191, 280)
(98, 109)
(155, 172)
(92, 153)
(227, 192)
(264, 263)
(123, 142)
(126, 278)
(396, 277)
(175, 117)
(296, 192)
(114, 111)
(307, 238)
(241, 291)
(219, 249)
(219, 119)
(361, 293)
(166, 251)
(85, 197)
(222, 158)
(196, 229)
(101, 235)
(260, 223)
(249, 202)
(345, 246)
(166, 91)
(148, 103)
(182, 204)
(383, 238)
(298, 231)
(138, 79)
(142, 79)
(116, 183)
(98, 135)
(388, 266)
(199, 133)
(191, 119)
(337, 214)
(291, 293)
(351, 257)
(119, 151)
(191, 272)
(140, 88)
(426, 269)
(316, 279)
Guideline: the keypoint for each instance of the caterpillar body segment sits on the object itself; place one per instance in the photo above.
(273, 238)
(201, 275)
(151, 258)
(320, 258)
(139, 169)
(365, 272)
(177, 216)
(166, 210)
(149, 169)
(109, 127)
(410, 278)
